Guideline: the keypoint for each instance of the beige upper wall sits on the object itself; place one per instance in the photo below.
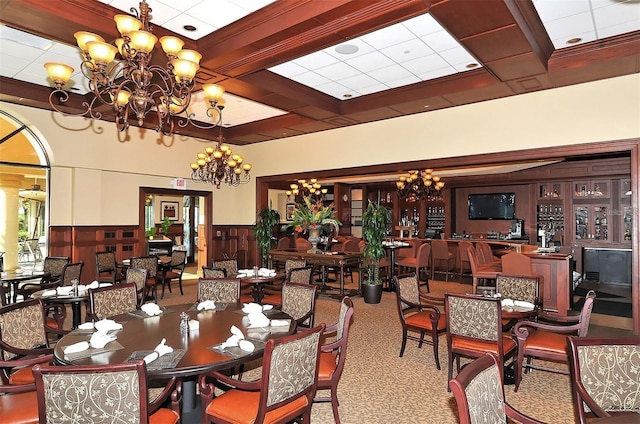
(96, 175)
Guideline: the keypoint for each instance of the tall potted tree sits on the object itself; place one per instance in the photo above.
(263, 231)
(375, 223)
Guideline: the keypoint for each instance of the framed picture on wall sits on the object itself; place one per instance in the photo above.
(170, 210)
(290, 208)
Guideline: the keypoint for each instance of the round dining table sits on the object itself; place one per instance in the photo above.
(194, 349)
(73, 298)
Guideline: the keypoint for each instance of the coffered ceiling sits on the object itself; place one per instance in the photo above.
(292, 67)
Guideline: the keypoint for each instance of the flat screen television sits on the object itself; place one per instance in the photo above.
(492, 206)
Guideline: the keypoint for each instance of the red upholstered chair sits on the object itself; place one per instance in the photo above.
(303, 244)
(481, 273)
(419, 312)
(547, 340)
(442, 257)
(479, 393)
(474, 327)
(485, 254)
(463, 256)
(422, 261)
(605, 377)
(333, 355)
(124, 396)
(284, 392)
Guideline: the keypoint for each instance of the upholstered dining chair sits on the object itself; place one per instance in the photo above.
(303, 244)
(419, 312)
(422, 261)
(482, 273)
(295, 275)
(474, 327)
(150, 263)
(123, 395)
(283, 393)
(229, 265)
(52, 267)
(333, 356)
(441, 255)
(137, 276)
(299, 302)
(485, 253)
(224, 290)
(208, 272)
(479, 393)
(174, 270)
(106, 267)
(58, 311)
(18, 403)
(546, 339)
(515, 263)
(463, 256)
(605, 377)
(107, 302)
(24, 341)
(525, 289)
(290, 264)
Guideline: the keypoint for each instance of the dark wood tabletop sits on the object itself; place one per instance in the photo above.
(144, 334)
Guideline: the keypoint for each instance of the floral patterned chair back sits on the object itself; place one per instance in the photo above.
(229, 265)
(299, 301)
(300, 275)
(519, 288)
(137, 276)
(479, 393)
(123, 394)
(54, 265)
(225, 290)
(208, 272)
(150, 263)
(21, 327)
(605, 376)
(71, 272)
(111, 301)
(293, 263)
(106, 267)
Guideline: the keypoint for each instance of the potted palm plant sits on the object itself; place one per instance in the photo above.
(263, 231)
(311, 216)
(375, 223)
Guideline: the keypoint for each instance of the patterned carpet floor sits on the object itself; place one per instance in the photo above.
(377, 386)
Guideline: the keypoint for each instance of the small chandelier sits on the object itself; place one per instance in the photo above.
(131, 84)
(219, 165)
(420, 185)
(302, 189)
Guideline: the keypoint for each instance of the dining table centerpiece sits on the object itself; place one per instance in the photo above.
(312, 216)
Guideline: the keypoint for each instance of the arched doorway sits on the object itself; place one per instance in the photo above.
(24, 175)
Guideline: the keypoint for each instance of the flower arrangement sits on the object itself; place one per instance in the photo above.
(313, 214)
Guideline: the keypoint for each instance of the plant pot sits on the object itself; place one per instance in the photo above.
(314, 238)
(372, 293)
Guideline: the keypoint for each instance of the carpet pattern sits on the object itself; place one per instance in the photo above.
(377, 386)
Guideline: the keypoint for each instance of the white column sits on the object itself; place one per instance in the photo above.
(9, 186)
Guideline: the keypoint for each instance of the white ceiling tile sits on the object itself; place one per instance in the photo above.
(437, 73)
(310, 79)
(337, 70)
(618, 29)
(315, 60)
(388, 36)
(334, 89)
(64, 51)
(23, 38)
(177, 25)
(550, 10)
(426, 64)
(411, 79)
(376, 88)
(182, 5)
(440, 41)
(358, 81)
(457, 56)
(161, 13)
(370, 61)
(569, 26)
(288, 69)
(363, 48)
(13, 49)
(216, 14)
(390, 73)
(617, 14)
(252, 5)
(588, 36)
(14, 66)
(407, 50)
(422, 25)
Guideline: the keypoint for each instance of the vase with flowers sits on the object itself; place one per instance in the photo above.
(312, 216)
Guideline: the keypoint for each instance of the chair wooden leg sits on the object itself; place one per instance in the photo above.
(404, 341)
(434, 337)
(335, 403)
(180, 284)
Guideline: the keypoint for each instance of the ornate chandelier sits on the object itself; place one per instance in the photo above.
(302, 189)
(420, 185)
(219, 165)
(131, 84)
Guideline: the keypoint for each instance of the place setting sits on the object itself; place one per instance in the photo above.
(237, 345)
(149, 310)
(161, 357)
(103, 339)
(208, 305)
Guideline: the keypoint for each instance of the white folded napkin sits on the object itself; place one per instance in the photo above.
(507, 302)
(258, 319)
(524, 304)
(207, 305)
(234, 339)
(76, 347)
(86, 326)
(246, 345)
(161, 349)
(48, 293)
(279, 322)
(266, 272)
(151, 309)
(106, 284)
(249, 308)
(105, 325)
(93, 285)
(100, 339)
(194, 324)
(267, 307)
(64, 290)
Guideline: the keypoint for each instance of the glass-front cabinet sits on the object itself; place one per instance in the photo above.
(592, 222)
